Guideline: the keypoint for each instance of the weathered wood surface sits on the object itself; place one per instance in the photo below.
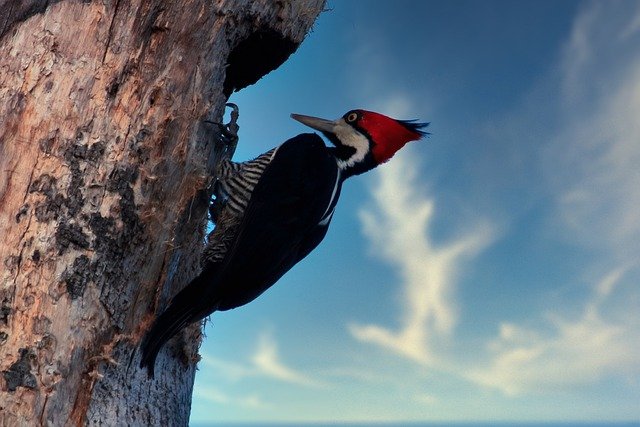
(104, 164)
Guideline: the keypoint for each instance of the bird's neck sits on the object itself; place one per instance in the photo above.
(346, 163)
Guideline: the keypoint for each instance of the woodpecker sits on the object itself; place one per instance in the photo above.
(274, 210)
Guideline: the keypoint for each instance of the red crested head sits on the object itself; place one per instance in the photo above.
(364, 139)
(386, 134)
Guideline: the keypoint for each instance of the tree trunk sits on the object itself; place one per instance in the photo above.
(104, 167)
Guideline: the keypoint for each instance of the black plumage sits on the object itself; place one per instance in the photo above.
(280, 226)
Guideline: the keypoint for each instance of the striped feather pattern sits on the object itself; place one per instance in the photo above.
(237, 181)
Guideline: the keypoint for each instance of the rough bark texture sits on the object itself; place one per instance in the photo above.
(104, 165)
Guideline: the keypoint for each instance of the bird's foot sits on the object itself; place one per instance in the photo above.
(227, 134)
(230, 130)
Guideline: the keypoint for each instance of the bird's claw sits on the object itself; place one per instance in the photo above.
(230, 130)
(228, 133)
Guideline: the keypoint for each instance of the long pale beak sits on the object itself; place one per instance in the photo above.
(316, 123)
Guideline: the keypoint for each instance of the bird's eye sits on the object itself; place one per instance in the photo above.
(352, 117)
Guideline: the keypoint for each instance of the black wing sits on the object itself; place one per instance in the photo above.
(279, 228)
(280, 225)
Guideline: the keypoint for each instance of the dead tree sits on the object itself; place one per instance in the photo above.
(105, 160)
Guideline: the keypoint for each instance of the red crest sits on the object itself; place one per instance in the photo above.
(388, 135)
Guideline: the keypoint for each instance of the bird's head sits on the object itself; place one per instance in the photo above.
(364, 139)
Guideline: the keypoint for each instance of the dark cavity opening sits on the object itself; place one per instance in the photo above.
(255, 57)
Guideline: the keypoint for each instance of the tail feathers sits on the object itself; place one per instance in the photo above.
(187, 307)
(164, 328)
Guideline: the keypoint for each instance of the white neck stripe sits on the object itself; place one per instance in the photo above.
(350, 137)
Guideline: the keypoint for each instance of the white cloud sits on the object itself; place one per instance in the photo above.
(572, 352)
(592, 161)
(599, 200)
(233, 371)
(216, 396)
(591, 165)
(397, 225)
(579, 50)
(265, 362)
(395, 105)
(633, 26)
(254, 401)
(211, 394)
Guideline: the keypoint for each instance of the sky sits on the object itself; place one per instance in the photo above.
(488, 272)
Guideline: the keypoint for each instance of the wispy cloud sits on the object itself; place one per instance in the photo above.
(216, 396)
(233, 371)
(592, 161)
(591, 167)
(211, 394)
(632, 27)
(265, 362)
(564, 352)
(397, 225)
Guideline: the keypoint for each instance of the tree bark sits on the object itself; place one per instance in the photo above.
(104, 167)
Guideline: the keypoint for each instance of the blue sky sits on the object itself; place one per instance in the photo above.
(489, 272)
